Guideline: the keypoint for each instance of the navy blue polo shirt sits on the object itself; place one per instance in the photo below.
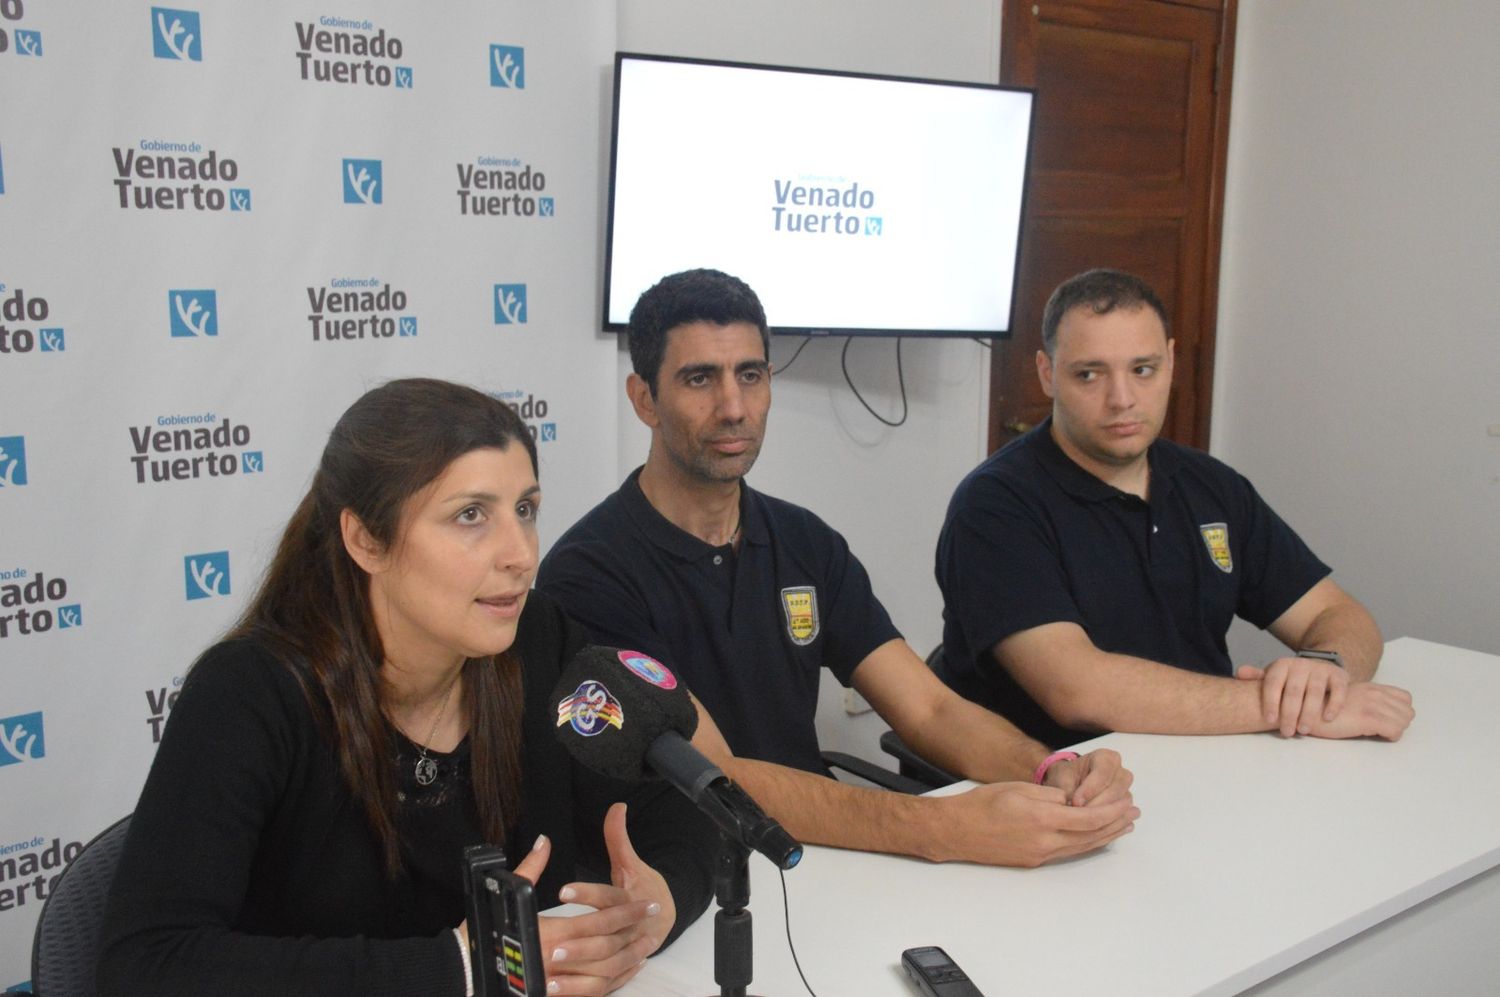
(1032, 538)
(748, 630)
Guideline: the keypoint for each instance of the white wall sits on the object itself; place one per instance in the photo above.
(884, 489)
(1358, 350)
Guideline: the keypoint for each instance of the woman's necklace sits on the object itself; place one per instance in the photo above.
(427, 767)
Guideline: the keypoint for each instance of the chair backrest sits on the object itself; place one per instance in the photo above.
(65, 950)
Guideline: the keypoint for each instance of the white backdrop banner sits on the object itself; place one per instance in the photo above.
(219, 224)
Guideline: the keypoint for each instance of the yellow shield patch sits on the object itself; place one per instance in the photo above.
(1216, 536)
(800, 603)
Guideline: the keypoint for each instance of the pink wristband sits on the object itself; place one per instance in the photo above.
(1049, 761)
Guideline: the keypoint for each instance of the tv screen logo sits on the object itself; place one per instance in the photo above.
(508, 67)
(21, 739)
(194, 313)
(510, 304)
(362, 181)
(207, 575)
(176, 34)
(12, 461)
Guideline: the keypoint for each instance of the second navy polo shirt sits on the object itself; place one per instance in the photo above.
(1032, 538)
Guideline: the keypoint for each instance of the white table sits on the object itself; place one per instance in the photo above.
(1252, 855)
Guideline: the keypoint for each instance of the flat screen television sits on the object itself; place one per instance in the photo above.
(853, 204)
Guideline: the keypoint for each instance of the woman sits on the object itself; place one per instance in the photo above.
(384, 702)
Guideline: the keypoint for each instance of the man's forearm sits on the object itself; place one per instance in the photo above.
(973, 742)
(1123, 693)
(821, 811)
(1349, 629)
(1010, 823)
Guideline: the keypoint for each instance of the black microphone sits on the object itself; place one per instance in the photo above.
(619, 712)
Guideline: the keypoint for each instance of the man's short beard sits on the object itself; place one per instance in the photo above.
(704, 468)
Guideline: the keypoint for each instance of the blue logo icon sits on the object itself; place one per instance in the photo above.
(239, 199)
(408, 325)
(69, 616)
(12, 461)
(2, 174)
(253, 461)
(207, 575)
(21, 739)
(549, 432)
(29, 43)
(510, 304)
(547, 205)
(52, 340)
(403, 77)
(176, 34)
(362, 181)
(508, 67)
(194, 313)
(873, 225)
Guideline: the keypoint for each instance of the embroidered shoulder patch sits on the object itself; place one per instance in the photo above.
(800, 604)
(1216, 537)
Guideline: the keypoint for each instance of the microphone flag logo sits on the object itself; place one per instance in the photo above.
(649, 668)
(590, 709)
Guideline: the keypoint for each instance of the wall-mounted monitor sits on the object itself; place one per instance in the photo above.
(853, 204)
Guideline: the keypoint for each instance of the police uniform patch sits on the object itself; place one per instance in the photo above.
(800, 604)
(1216, 536)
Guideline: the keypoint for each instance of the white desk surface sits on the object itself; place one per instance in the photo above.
(1252, 854)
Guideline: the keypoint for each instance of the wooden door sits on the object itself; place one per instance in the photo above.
(1127, 171)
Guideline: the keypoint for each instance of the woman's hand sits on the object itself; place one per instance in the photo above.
(596, 953)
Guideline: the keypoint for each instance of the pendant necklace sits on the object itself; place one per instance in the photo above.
(427, 767)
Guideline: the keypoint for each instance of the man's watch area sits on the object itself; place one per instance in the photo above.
(1332, 656)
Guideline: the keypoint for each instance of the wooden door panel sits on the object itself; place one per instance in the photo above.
(1115, 105)
(1126, 171)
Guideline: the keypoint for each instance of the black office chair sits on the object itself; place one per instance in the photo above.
(870, 772)
(910, 764)
(65, 950)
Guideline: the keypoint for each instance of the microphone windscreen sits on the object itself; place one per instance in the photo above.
(613, 704)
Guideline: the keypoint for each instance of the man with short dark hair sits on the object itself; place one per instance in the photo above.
(1090, 569)
(748, 598)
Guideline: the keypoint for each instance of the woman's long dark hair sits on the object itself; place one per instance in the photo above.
(313, 605)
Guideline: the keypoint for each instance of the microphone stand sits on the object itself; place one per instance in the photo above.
(742, 825)
(733, 939)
